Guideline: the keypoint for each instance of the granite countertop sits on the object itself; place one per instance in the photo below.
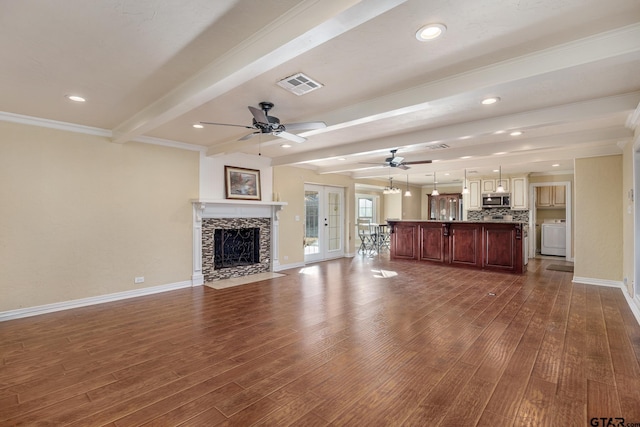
(493, 221)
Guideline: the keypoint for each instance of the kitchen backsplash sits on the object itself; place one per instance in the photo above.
(518, 216)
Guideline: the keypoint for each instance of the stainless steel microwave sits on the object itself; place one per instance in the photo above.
(496, 200)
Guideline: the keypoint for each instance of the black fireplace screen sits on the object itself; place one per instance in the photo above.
(236, 246)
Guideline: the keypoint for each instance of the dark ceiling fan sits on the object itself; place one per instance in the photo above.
(398, 162)
(264, 123)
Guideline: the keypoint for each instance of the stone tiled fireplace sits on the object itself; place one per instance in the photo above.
(213, 268)
(243, 223)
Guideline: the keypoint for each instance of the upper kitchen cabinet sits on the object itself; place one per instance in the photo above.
(519, 198)
(491, 185)
(552, 196)
(473, 200)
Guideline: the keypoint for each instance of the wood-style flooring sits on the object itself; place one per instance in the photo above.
(356, 342)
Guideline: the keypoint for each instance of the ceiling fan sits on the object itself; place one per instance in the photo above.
(264, 123)
(398, 162)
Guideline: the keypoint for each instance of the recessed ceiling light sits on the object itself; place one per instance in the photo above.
(465, 137)
(496, 170)
(500, 153)
(285, 145)
(465, 157)
(499, 132)
(447, 174)
(516, 133)
(555, 165)
(342, 159)
(198, 126)
(430, 32)
(489, 101)
(76, 98)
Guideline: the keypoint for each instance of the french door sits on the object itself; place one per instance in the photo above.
(324, 222)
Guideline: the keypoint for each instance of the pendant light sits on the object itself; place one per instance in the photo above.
(500, 188)
(465, 190)
(435, 189)
(391, 189)
(407, 193)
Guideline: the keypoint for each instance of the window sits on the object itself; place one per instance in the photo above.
(366, 207)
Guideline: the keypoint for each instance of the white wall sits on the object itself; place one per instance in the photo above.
(212, 174)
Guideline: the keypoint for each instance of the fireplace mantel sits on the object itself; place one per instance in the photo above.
(231, 208)
(236, 202)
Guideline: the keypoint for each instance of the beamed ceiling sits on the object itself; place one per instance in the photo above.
(567, 73)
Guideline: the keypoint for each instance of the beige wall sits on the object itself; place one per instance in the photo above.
(628, 229)
(288, 183)
(598, 219)
(412, 206)
(81, 216)
(393, 206)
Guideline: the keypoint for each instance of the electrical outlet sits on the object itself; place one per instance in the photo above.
(139, 279)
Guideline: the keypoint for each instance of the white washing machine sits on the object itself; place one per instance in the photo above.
(554, 239)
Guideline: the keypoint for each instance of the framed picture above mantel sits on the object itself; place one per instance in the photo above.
(242, 183)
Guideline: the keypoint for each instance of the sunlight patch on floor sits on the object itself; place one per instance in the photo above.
(383, 274)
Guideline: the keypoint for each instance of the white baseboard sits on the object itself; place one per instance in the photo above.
(66, 305)
(598, 282)
(197, 279)
(288, 266)
(634, 304)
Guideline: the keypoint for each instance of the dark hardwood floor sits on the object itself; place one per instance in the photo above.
(361, 341)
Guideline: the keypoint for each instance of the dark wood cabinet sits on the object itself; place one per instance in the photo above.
(405, 239)
(466, 245)
(432, 246)
(445, 207)
(482, 245)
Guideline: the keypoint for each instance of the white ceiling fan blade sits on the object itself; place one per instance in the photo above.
(244, 138)
(403, 167)
(397, 160)
(305, 126)
(259, 115)
(227, 124)
(290, 136)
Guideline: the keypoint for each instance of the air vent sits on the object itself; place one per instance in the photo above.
(299, 84)
(437, 147)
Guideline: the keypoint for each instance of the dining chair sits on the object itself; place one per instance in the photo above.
(366, 236)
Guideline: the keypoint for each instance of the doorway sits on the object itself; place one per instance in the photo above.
(636, 224)
(324, 222)
(535, 223)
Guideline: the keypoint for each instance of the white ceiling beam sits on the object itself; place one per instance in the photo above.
(307, 25)
(591, 49)
(515, 161)
(547, 116)
(512, 147)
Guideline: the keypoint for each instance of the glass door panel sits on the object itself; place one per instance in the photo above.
(324, 223)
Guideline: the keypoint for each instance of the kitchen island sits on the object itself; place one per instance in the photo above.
(487, 245)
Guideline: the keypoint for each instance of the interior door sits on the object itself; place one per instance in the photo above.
(324, 220)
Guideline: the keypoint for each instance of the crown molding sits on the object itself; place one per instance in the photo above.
(88, 130)
(53, 124)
